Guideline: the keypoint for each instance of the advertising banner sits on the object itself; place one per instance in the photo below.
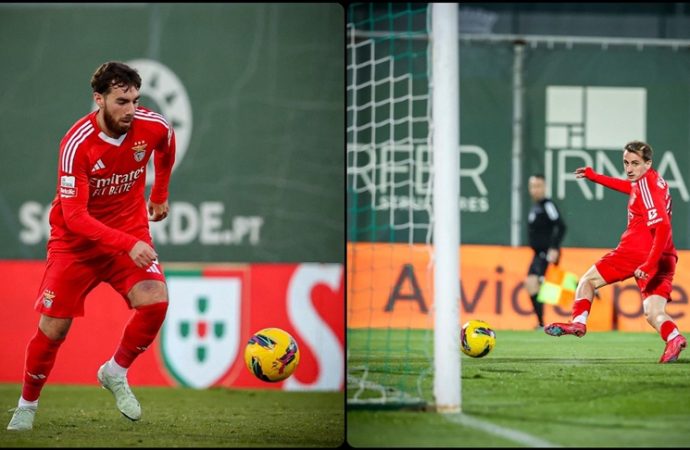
(396, 289)
(212, 313)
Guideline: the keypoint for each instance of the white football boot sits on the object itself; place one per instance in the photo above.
(125, 400)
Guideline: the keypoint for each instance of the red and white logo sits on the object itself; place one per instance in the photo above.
(68, 192)
(98, 166)
(48, 297)
(652, 214)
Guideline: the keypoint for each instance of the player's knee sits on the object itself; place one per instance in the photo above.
(148, 292)
(55, 329)
(590, 279)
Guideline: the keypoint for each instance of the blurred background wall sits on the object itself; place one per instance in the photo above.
(254, 93)
(591, 77)
(543, 89)
(254, 238)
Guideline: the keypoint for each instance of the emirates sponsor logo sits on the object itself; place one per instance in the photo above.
(117, 183)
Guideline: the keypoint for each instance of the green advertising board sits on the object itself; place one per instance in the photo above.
(581, 104)
(254, 92)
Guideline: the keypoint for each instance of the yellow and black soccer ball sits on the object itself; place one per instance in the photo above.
(477, 339)
(271, 354)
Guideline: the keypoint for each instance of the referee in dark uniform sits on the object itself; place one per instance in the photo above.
(546, 230)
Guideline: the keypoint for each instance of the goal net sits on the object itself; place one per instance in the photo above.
(389, 326)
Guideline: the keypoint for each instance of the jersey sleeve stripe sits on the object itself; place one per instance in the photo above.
(646, 195)
(72, 144)
(150, 119)
(150, 114)
(551, 211)
(71, 139)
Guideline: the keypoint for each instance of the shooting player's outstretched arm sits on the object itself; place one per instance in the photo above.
(612, 183)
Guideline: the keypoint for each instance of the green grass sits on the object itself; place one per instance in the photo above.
(85, 416)
(603, 390)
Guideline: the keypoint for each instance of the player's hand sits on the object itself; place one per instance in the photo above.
(552, 255)
(584, 172)
(143, 254)
(158, 211)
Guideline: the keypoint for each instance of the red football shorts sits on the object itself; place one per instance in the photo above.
(67, 281)
(618, 265)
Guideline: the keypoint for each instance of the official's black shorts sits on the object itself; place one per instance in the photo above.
(539, 264)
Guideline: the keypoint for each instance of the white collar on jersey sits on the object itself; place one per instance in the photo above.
(110, 140)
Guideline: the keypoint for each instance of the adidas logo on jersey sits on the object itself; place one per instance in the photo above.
(154, 268)
(98, 166)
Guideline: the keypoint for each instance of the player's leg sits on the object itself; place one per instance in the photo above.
(532, 283)
(146, 292)
(149, 298)
(61, 297)
(656, 295)
(584, 294)
(41, 353)
(532, 287)
(655, 313)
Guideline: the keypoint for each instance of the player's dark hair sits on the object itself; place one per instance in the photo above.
(114, 73)
(641, 149)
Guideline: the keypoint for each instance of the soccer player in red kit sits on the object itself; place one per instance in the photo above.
(99, 231)
(646, 250)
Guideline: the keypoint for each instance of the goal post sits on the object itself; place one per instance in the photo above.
(445, 150)
(403, 287)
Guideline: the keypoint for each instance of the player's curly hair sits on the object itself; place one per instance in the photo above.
(114, 73)
(641, 149)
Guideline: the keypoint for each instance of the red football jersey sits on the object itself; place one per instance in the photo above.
(100, 206)
(649, 209)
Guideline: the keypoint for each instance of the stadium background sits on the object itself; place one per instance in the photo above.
(585, 94)
(254, 237)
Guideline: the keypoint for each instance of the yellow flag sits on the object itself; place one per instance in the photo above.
(558, 287)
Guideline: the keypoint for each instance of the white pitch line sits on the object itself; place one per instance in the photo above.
(513, 435)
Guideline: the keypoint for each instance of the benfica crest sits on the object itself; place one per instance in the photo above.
(139, 150)
(48, 297)
(200, 338)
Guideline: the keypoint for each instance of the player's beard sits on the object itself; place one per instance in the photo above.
(113, 125)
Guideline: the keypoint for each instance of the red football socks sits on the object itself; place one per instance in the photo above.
(40, 358)
(140, 331)
(666, 329)
(581, 310)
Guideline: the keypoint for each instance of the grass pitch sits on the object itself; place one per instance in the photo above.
(86, 416)
(603, 390)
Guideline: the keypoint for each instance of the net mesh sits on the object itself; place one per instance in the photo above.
(388, 202)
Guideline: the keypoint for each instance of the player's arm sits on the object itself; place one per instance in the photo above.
(163, 160)
(73, 190)
(658, 220)
(610, 182)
